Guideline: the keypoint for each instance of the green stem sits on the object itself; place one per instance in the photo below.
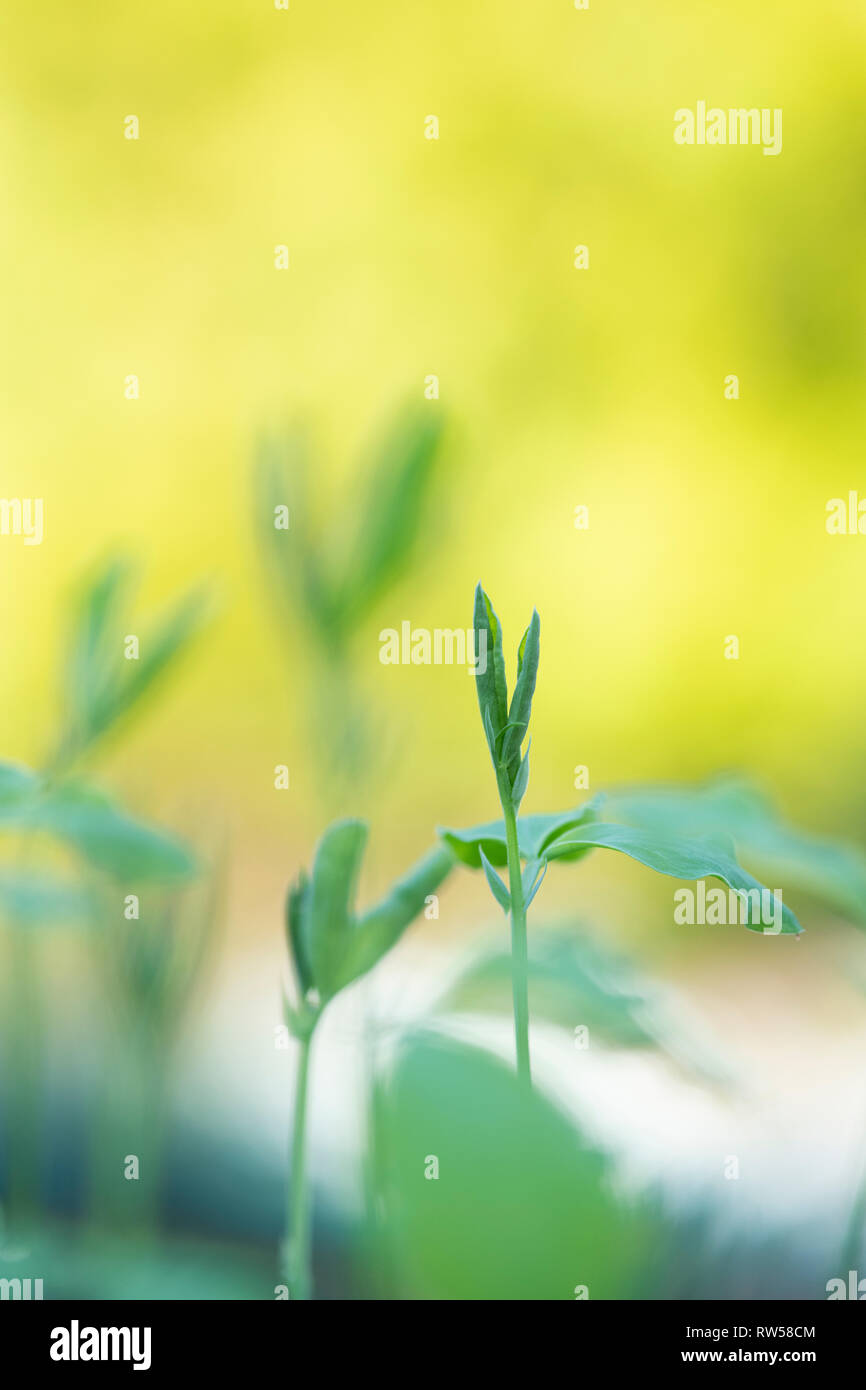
(298, 1268)
(519, 960)
(853, 1239)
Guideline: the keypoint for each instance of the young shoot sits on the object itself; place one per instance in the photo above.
(330, 946)
(525, 845)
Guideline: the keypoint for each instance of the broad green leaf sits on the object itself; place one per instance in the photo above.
(678, 857)
(336, 869)
(521, 700)
(497, 887)
(533, 834)
(524, 1208)
(490, 673)
(828, 869)
(382, 926)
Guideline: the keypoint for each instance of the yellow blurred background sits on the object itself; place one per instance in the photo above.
(408, 256)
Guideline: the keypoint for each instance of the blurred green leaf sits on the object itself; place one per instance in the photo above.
(521, 1208)
(30, 898)
(294, 556)
(576, 980)
(337, 588)
(17, 785)
(392, 516)
(102, 686)
(830, 870)
(105, 835)
(334, 884)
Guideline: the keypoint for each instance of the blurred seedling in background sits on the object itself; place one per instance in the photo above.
(330, 946)
(149, 971)
(80, 853)
(333, 576)
(527, 845)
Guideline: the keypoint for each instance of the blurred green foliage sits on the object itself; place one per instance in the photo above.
(521, 1207)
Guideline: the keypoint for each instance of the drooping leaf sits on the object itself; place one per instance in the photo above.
(533, 834)
(377, 930)
(497, 887)
(677, 857)
(334, 884)
(828, 869)
(490, 673)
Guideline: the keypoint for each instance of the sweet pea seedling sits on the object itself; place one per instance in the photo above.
(330, 947)
(526, 845)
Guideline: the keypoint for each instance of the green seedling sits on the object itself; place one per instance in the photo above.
(330, 946)
(526, 845)
(102, 687)
(55, 806)
(332, 580)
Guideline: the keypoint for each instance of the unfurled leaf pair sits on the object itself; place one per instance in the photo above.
(330, 945)
(572, 834)
(505, 725)
(88, 821)
(486, 846)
